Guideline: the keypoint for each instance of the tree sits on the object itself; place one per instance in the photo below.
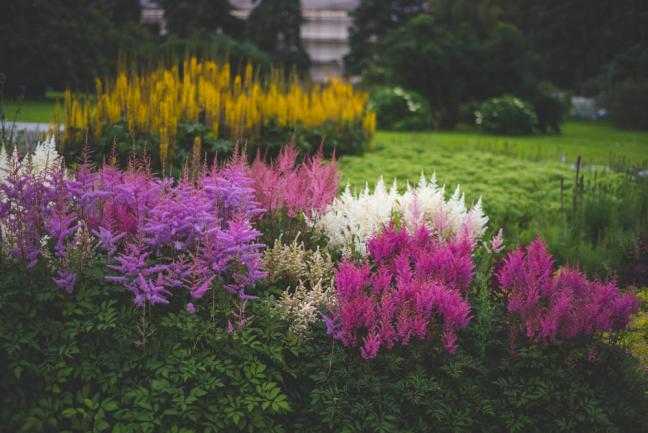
(452, 65)
(578, 38)
(121, 11)
(184, 17)
(58, 43)
(371, 20)
(274, 26)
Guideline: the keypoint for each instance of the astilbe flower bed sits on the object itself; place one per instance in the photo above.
(407, 257)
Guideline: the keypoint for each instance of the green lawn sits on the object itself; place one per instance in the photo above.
(518, 178)
(524, 169)
(33, 109)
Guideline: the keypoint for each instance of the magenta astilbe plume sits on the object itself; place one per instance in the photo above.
(410, 283)
(307, 187)
(550, 306)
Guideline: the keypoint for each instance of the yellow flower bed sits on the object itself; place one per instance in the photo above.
(233, 107)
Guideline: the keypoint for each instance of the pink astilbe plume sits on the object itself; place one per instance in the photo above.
(307, 187)
(410, 285)
(550, 306)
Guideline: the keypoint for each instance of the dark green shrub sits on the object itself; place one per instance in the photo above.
(72, 362)
(551, 107)
(399, 109)
(506, 115)
(628, 105)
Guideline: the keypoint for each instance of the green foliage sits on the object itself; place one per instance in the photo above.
(451, 65)
(75, 40)
(213, 46)
(506, 115)
(274, 26)
(79, 363)
(550, 105)
(627, 105)
(483, 388)
(188, 16)
(400, 110)
(349, 140)
(371, 20)
(71, 362)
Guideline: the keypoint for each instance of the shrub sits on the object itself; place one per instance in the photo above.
(399, 109)
(480, 388)
(551, 107)
(627, 105)
(71, 362)
(135, 303)
(506, 115)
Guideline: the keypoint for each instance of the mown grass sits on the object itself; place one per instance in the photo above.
(31, 109)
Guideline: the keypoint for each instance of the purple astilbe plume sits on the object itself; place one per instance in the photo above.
(231, 190)
(65, 280)
(61, 226)
(146, 281)
(108, 240)
(408, 285)
(24, 200)
(549, 306)
(235, 249)
(159, 235)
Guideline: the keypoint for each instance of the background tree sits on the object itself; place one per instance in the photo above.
(121, 11)
(185, 17)
(274, 26)
(452, 65)
(59, 43)
(371, 20)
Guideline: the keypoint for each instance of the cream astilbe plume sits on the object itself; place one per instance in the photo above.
(308, 274)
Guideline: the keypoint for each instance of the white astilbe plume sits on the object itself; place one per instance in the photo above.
(352, 220)
(4, 163)
(44, 159)
(45, 156)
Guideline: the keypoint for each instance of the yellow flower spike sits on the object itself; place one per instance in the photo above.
(234, 107)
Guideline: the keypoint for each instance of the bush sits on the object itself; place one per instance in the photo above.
(551, 107)
(399, 109)
(627, 105)
(506, 115)
(70, 362)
